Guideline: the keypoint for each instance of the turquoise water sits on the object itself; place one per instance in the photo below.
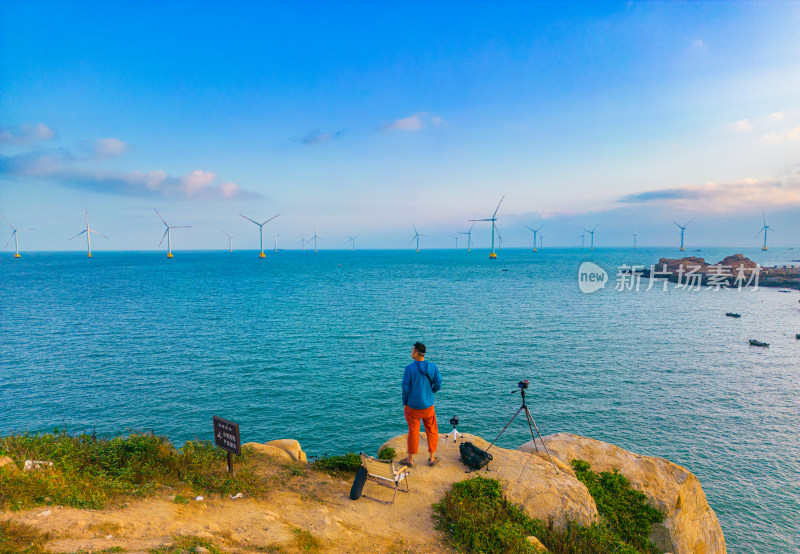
(312, 346)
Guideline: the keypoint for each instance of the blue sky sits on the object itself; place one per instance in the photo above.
(364, 118)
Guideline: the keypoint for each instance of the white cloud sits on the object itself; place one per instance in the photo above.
(197, 181)
(741, 125)
(726, 197)
(780, 136)
(26, 134)
(414, 122)
(109, 147)
(697, 43)
(63, 168)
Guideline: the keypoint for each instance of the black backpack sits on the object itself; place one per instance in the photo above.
(473, 457)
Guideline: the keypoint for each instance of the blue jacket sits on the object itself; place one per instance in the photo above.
(417, 389)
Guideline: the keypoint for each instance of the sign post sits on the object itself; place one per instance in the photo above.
(226, 436)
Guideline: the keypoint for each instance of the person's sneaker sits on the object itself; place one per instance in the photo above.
(433, 462)
(405, 462)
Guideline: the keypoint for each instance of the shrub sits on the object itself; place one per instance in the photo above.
(387, 453)
(88, 471)
(477, 518)
(624, 509)
(349, 463)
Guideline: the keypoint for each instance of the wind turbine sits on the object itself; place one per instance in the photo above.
(352, 241)
(493, 219)
(535, 231)
(314, 238)
(230, 239)
(14, 232)
(276, 235)
(634, 239)
(455, 237)
(303, 242)
(168, 234)
(260, 230)
(416, 236)
(583, 240)
(469, 238)
(88, 232)
(541, 241)
(765, 229)
(592, 234)
(683, 230)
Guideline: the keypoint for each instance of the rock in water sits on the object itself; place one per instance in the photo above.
(690, 526)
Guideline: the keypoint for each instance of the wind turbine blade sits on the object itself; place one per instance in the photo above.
(415, 229)
(11, 237)
(159, 217)
(529, 227)
(759, 232)
(182, 227)
(270, 219)
(540, 227)
(687, 223)
(9, 224)
(479, 220)
(498, 207)
(82, 232)
(163, 236)
(98, 234)
(227, 235)
(764, 216)
(412, 240)
(248, 219)
(595, 228)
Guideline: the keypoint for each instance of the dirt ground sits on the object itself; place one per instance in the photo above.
(302, 513)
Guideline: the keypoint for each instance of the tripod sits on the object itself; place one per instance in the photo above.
(531, 426)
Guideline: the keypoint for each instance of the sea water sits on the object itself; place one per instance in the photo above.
(312, 346)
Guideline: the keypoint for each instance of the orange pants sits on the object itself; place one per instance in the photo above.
(428, 417)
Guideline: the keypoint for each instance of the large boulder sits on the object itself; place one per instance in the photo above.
(528, 480)
(287, 450)
(690, 526)
(8, 464)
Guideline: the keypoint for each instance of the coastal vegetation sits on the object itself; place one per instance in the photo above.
(477, 517)
(88, 471)
(347, 464)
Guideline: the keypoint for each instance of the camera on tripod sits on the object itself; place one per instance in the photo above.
(521, 386)
(455, 433)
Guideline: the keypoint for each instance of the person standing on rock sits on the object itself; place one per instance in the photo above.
(420, 380)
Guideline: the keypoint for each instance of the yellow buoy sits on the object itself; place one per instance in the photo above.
(492, 256)
(17, 255)
(169, 254)
(262, 255)
(90, 254)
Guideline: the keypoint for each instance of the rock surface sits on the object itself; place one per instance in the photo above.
(282, 449)
(528, 480)
(689, 526)
(8, 464)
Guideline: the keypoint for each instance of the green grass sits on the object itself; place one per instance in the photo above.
(477, 518)
(624, 509)
(305, 541)
(186, 544)
(19, 538)
(89, 471)
(338, 465)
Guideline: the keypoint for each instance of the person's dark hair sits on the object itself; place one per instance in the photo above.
(419, 347)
